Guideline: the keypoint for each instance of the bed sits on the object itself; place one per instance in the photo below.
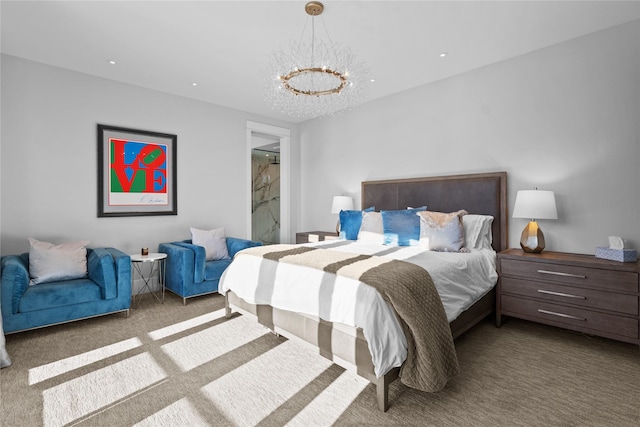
(347, 345)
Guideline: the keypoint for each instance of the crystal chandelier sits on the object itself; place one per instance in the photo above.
(317, 77)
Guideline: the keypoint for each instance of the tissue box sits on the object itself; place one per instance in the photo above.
(622, 255)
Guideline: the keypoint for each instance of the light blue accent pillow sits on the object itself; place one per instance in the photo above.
(402, 227)
(350, 222)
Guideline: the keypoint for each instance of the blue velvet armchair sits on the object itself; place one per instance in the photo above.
(107, 289)
(188, 274)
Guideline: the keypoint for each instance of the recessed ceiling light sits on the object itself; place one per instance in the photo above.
(194, 84)
(111, 61)
(372, 80)
(443, 54)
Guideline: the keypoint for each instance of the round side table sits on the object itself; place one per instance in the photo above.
(158, 266)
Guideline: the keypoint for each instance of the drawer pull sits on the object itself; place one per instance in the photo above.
(558, 273)
(553, 313)
(560, 294)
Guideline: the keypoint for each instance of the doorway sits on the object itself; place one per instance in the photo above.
(265, 192)
(268, 168)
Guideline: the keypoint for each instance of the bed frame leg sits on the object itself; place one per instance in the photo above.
(382, 388)
(227, 309)
(382, 392)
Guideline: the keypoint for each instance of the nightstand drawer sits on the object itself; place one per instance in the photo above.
(610, 280)
(621, 303)
(577, 318)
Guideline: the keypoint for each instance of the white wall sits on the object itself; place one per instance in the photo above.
(49, 159)
(565, 118)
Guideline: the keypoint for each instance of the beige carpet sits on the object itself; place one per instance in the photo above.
(174, 365)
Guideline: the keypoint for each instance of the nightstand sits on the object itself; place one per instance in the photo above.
(315, 236)
(571, 291)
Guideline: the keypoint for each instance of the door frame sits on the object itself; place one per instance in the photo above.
(284, 135)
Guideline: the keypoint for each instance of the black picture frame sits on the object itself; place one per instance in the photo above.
(137, 172)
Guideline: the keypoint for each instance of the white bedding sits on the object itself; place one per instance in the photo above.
(460, 278)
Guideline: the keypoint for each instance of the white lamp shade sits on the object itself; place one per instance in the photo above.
(535, 204)
(341, 203)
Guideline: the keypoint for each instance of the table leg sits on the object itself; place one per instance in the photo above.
(155, 269)
(162, 276)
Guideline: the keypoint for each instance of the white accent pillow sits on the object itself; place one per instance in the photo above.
(51, 263)
(214, 242)
(5, 360)
(477, 231)
(371, 229)
(441, 231)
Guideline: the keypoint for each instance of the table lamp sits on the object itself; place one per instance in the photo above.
(534, 204)
(341, 203)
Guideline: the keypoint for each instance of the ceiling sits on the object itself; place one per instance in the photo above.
(225, 46)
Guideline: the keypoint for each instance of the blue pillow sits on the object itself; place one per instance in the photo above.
(402, 227)
(350, 222)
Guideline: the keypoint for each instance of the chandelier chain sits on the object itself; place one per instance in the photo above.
(313, 43)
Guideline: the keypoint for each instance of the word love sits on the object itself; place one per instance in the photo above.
(137, 167)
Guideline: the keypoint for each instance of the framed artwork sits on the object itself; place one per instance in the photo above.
(136, 172)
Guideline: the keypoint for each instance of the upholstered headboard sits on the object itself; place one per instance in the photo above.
(484, 194)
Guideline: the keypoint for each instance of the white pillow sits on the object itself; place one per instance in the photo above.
(371, 229)
(214, 242)
(440, 231)
(477, 231)
(51, 263)
(5, 360)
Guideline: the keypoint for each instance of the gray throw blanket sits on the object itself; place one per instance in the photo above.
(431, 358)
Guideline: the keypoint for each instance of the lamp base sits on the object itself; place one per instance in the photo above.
(532, 239)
